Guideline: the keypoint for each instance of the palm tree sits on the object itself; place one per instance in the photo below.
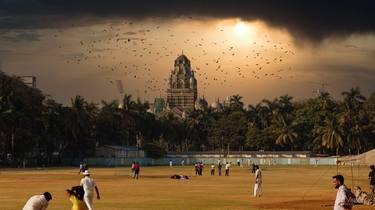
(109, 123)
(285, 132)
(330, 135)
(252, 114)
(286, 136)
(79, 125)
(236, 102)
(325, 100)
(352, 118)
(263, 115)
(353, 99)
(285, 104)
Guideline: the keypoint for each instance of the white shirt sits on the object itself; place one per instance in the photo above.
(258, 176)
(227, 166)
(36, 202)
(342, 199)
(88, 185)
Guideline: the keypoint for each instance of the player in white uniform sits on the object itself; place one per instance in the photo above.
(89, 185)
(38, 202)
(258, 182)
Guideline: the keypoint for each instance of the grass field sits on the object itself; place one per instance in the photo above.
(285, 187)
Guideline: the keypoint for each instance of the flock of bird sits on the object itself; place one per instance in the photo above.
(130, 51)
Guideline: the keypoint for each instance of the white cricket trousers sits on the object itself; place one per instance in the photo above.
(88, 200)
(257, 189)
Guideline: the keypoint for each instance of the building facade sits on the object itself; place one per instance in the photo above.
(182, 90)
(159, 104)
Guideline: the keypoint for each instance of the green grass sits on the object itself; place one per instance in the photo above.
(285, 187)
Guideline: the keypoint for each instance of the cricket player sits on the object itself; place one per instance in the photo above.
(258, 182)
(88, 185)
(38, 202)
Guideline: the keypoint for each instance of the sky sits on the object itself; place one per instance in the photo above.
(257, 49)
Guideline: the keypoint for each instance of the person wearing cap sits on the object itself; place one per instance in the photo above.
(82, 167)
(88, 185)
(38, 202)
(344, 197)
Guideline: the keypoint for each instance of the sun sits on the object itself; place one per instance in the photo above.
(241, 28)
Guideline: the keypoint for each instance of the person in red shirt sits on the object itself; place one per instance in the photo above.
(133, 171)
(137, 167)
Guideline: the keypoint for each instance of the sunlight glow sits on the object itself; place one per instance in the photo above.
(241, 28)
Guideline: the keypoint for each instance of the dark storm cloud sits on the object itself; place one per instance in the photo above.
(5, 51)
(349, 70)
(339, 74)
(312, 20)
(21, 36)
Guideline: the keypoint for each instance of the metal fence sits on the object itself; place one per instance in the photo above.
(108, 162)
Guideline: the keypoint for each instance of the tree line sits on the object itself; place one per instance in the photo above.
(34, 125)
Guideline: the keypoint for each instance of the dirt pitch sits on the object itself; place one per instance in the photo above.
(285, 187)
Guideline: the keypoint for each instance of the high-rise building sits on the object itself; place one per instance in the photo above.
(182, 91)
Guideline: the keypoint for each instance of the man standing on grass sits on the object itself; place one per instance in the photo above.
(253, 168)
(219, 166)
(38, 202)
(371, 177)
(137, 167)
(196, 168)
(133, 169)
(88, 185)
(258, 182)
(344, 197)
(212, 169)
(227, 166)
(200, 168)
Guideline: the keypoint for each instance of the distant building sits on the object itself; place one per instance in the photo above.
(226, 102)
(182, 91)
(29, 80)
(175, 112)
(159, 105)
(217, 106)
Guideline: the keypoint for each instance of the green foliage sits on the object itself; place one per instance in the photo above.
(33, 125)
(154, 151)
